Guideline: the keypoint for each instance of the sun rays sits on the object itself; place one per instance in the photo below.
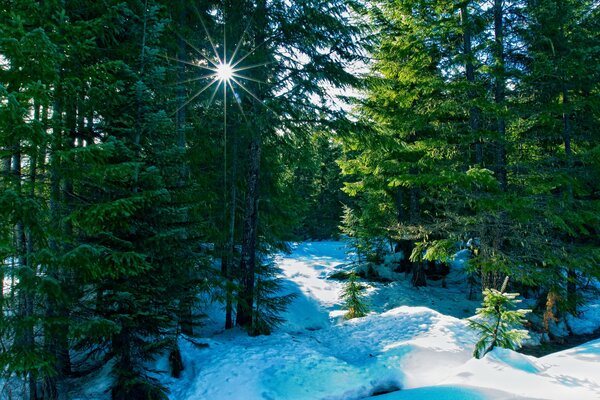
(220, 70)
(224, 72)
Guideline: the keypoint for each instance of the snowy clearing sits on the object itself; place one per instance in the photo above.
(412, 352)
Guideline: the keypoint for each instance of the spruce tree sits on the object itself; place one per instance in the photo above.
(28, 74)
(270, 302)
(439, 170)
(353, 298)
(560, 80)
(498, 323)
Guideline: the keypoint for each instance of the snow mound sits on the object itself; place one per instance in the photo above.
(413, 352)
(570, 374)
(397, 349)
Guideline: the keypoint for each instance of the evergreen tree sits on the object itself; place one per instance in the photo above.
(557, 127)
(498, 323)
(109, 217)
(286, 41)
(439, 170)
(29, 57)
(353, 298)
(270, 303)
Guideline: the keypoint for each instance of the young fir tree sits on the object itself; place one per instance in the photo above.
(498, 322)
(270, 302)
(352, 295)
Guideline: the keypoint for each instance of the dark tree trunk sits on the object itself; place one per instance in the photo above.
(5, 165)
(186, 309)
(499, 94)
(418, 267)
(229, 259)
(55, 338)
(24, 335)
(474, 112)
(418, 278)
(571, 274)
(232, 13)
(181, 95)
(248, 258)
(247, 270)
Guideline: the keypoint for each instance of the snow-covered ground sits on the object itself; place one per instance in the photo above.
(412, 351)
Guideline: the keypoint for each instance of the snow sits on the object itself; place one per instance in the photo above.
(346, 361)
(412, 351)
(306, 271)
(570, 374)
(588, 321)
(401, 351)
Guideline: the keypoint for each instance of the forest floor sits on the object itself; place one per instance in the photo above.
(415, 344)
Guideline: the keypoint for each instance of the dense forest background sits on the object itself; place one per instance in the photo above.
(131, 189)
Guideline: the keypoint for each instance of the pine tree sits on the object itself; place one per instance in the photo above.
(439, 170)
(270, 302)
(560, 47)
(26, 96)
(353, 298)
(498, 323)
(409, 158)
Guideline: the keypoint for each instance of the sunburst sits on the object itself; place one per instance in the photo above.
(223, 71)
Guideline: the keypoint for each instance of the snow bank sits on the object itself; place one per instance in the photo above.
(405, 347)
(570, 374)
(414, 352)
(423, 353)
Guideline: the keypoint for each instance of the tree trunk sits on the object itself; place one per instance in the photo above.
(250, 227)
(571, 274)
(5, 165)
(229, 259)
(499, 95)
(248, 259)
(56, 336)
(474, 112)
(186, 308)
(418, 267)
(180, 93)
(24, 333)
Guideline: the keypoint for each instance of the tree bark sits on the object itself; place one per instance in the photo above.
(571, 273)
(229, 259)
(180, 93)
(499, 94)
(24, 334)
(186, 309)
(5, 165)
(248, 258)
(245, 306)
(474, 112)
(418, 267)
